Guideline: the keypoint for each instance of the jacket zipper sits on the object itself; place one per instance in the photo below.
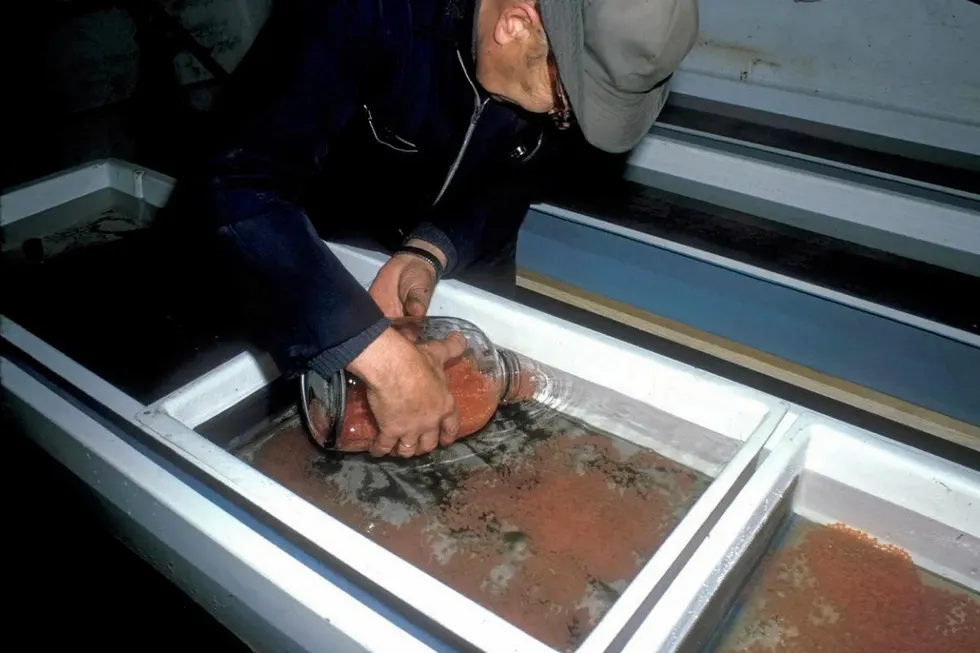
(478, 105)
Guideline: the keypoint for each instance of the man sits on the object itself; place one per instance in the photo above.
(427, 123)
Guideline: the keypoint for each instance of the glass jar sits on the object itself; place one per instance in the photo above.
(339, 418)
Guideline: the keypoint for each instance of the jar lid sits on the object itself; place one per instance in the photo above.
(322, 402)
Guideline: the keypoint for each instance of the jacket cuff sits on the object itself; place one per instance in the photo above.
(332, 360)
(438, 238)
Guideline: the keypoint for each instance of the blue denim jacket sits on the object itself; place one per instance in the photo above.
(369, 98)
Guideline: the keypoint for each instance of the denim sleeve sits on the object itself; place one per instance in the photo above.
(305, 308)
(297, 88)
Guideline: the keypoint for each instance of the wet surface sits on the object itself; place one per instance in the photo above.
(831, 588)
(537, 518)
(125, 304)
(103, 216)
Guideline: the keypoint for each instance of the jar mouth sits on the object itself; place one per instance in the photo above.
(331, 394)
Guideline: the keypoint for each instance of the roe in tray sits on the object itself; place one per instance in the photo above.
(540, 520)
(834, 589)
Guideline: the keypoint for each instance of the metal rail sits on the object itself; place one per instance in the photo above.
(909, 218)
(757, 272)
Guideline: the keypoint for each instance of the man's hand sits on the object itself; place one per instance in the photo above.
(404, 285)
(406, 389)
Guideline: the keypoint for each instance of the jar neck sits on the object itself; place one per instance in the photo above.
(511, 386)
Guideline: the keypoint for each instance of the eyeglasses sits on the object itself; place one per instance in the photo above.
(561, 114)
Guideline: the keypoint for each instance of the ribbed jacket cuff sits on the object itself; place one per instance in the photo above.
(332, 360)
(437, 237)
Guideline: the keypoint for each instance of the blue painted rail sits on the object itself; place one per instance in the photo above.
(896, 359)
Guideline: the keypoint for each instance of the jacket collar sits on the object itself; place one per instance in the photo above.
(469, 22)
(449, 20)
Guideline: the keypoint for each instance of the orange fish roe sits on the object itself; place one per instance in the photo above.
(476, 394)
(543, 540)
(837, 590)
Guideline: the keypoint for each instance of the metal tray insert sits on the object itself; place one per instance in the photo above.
(838, 532)
(635, 407)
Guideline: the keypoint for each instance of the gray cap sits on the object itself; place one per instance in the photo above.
(613, 59)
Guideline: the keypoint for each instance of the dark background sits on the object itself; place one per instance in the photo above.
(132, 79)
(83, 80)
